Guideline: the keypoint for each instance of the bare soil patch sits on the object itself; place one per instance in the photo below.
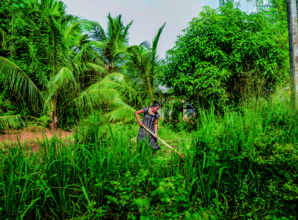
(31, 135)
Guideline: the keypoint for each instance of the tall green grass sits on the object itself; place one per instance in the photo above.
(242, 165)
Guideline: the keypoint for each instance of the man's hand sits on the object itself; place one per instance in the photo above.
(141, 124)
(156, 136)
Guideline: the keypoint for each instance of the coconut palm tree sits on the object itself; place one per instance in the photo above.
(135, 86)
(143, 63)
(113, 42)
(61, 59)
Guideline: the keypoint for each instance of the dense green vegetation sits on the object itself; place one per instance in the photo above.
(226, 56)
(62, 63)
(240, 147)
(242, 165)
(56, 64)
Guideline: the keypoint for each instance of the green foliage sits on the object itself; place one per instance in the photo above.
(173, 115)
(45, 120)
(9, 106)
(241, 165)
(166, 109)
(10, 111)
(177, 110)
(254, 154)
(142, 65)
(154, 198)
(226, 56)
(175, 106)
(61, 70)
(92, 130)
(114, 41)
(50, 58)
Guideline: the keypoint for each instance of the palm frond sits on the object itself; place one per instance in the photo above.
(157, 36)
(55, 8)
(64, 78)
(11, 121)
(72, 28)
(87, 50)
(121, 111)
(54, 27)
(154, 47)
(125, 31)
(18, 81)
(97, 32)
(145, 44)
(97, 68)
(116, 81)
(3, 34)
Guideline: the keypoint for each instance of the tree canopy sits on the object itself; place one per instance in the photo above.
(63, 64)
(223, 54)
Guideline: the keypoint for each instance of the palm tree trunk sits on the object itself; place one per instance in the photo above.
(150, 89)
(182, 109)
(11, 33)
(293, 49)
(53, 115)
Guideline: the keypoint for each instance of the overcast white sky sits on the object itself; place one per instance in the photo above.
(147, 15)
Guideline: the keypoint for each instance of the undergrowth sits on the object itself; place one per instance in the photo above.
(239, 166)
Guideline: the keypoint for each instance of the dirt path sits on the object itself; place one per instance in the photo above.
(31, 135)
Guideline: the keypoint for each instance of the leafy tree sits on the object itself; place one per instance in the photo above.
(225, 2)
(223, 55)
(280, 13)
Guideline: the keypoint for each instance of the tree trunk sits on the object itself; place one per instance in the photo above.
(182, 101)
(293, 49)
(150, 89)
(11, 33)
(53, 115)
(107, 66)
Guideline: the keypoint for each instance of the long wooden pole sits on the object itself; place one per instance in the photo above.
(164, 142)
